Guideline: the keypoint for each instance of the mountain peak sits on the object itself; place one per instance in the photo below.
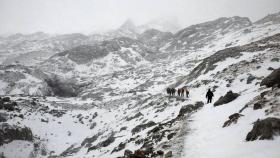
(128, 25)
(274, 18)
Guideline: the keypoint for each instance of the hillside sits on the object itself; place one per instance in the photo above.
(105, 96)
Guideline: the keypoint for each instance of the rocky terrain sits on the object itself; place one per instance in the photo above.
(105, 95)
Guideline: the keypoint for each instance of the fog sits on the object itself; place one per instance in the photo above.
(88, 16)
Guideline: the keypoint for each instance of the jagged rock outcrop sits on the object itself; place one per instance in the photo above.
(272, 80)
(230, 96)
(9, 133)
(264, 129)
(141, 127)
(232, 119)
(209, 63)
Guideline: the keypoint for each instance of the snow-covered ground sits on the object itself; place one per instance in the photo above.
(120, 100)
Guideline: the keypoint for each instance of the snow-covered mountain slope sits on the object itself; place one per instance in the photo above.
(34, 48)
(242, 74)
(108, 99)
(17, 79)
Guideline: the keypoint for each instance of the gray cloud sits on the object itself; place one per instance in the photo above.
(65, 16)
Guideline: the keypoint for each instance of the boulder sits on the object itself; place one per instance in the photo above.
(127, 153)
(168, 154)
(232, 119)
(9, 133)
(250, 79)
(6, 99)
(272, 80)
(264, 129)
(3, 117)
(160, 152)
(275, 60)
(230, 96)
(120, 147)
(257, 106)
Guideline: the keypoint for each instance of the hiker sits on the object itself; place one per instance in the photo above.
(187, 92)
(168, 90)
(173, 90)
(182, 92)
(179, 92)
(209, 96)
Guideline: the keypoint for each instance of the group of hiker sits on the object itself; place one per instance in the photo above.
(182, 91)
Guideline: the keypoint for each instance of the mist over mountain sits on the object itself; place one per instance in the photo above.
(109, 94)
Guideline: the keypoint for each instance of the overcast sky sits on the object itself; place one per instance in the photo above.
(66, 16)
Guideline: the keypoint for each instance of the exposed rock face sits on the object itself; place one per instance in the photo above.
(85, 53)
(230, 96)
(232, 119)
(134, 117)
(9, 133)
(190, 108)
(7, 104)
(155, 38)
(209, 63)
(142, 127)
(62, 87)
(200, 34)
(104, 143)
(250, 79)
(264, 129)
(257, 106)
(272, 79)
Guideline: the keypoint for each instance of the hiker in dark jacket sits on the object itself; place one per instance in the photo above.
(209, 96)
(169, 91)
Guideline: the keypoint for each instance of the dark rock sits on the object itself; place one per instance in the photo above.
(272, 79)
(104, 143)
(63, 87)
(257, 106)
(141, 127)
(94, 115)
(70, 151)
(185, 109)
(160, 152)
(275, 60)
(250, 79)
(135, 116)
(230, 96)
(138, 154)
(168, 154)
(170, 136)
(270, 68)
(123, 128)
(44, 120)
(88, 141)
(92, 125)
(9, 133)
(232, 119)
(3, 117)
(127, 153)
(21, 116)
(264, 129)
(120, 147)
(6, 99)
